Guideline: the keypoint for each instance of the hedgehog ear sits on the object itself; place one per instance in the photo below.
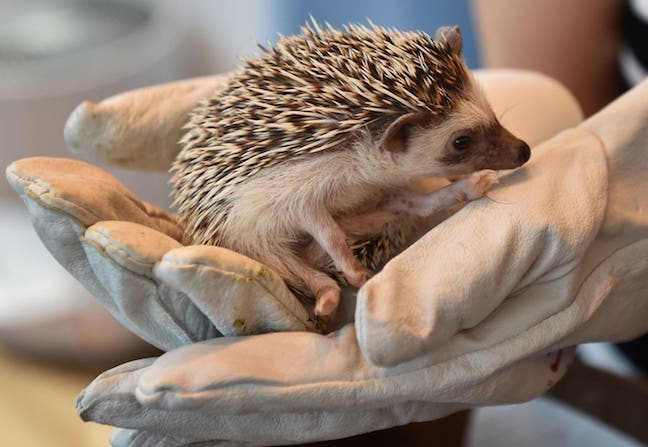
(395, 137)
(452, 36)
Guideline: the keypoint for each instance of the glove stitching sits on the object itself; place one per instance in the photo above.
(179, 321)
(106, 244)
(517, 292)
(178, 329)
(119, 370)
(137, 439)
(155, 212)
(58, 203)
(284, 308)
(162, 219)
(118, 398)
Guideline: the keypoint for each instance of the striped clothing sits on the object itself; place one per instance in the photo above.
(633, 57)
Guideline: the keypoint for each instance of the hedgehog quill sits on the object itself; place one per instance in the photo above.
(309, 152)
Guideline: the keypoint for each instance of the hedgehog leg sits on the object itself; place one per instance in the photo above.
(325, 289)
(425, 204)
(327, 297)
(301, 275)
(330, 236)
(318, 284)
(358, 227)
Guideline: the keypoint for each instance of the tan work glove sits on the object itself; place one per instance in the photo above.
(472, 314)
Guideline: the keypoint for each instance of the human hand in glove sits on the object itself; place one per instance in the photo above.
(484, 309)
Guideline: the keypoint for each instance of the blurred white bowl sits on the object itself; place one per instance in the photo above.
(53, 55)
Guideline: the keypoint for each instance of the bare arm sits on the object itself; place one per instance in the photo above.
(574, 41)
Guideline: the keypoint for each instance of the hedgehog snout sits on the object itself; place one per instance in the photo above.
(512, 152)
(524, 153)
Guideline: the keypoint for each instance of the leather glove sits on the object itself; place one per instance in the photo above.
(478, 304)
(126, 252)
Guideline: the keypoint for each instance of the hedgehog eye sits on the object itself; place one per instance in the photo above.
(461, 143)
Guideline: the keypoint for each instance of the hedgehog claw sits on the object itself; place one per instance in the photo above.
(327, 302)
(479, 183)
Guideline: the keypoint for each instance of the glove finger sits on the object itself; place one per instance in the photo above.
(82, 194)
(276, 413)
(535, 228)
(112, 391)
(140, 128)
(64, 197)
(123, 256)
(325, 373)
(239, 295)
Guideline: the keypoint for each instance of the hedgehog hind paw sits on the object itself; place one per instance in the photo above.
(327, 301)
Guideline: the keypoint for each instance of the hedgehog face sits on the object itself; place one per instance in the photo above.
(492, 147)
(469, 138)
(476, 140)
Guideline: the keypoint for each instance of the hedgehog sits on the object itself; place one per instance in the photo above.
(305, 158)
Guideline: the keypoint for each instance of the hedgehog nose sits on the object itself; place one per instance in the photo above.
(524, 154)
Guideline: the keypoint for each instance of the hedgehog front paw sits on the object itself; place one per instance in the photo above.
(479, 183)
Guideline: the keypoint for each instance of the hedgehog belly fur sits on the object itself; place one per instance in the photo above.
(266, 217)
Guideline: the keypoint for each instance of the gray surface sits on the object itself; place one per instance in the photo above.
(539, 423)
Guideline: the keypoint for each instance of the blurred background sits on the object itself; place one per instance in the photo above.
(54, 54)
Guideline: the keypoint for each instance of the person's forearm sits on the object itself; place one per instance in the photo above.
(575, 42)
